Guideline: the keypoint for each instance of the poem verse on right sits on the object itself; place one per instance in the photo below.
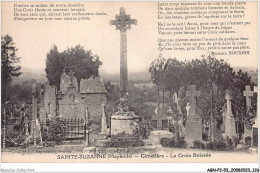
(212, 27)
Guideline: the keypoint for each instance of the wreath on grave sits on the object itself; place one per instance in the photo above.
(57, 130)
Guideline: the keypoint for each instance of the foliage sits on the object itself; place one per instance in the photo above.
(248, 141)
(170, 142)
(197, 144)
(124, 144)
(9, 64)
(22, 92)
(82, 62)
(222, 144)
(54, 67)
(57, 130)
(212, 77)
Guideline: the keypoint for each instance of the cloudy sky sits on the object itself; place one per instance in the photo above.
(34, 39)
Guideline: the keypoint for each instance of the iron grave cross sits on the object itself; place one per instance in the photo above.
(122, 23)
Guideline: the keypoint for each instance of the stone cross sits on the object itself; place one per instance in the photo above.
(248, 94)
(193, 94)
(228, 98)
(122, 23)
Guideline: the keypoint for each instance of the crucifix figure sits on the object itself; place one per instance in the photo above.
(248, 94)
(122, 23)
(71, 74)
(229, 98)
(193, 94)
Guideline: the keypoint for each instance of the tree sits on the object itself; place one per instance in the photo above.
(173, 75)
(82, 62)
(9, 64)
(157, 70)
(54, 67)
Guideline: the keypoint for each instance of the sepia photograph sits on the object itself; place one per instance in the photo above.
(129, 82)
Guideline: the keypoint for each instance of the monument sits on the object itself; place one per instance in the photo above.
(123, 121)
(230, 126)
(193, 128)
(104, 129)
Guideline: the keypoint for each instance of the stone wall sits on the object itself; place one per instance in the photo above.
(71, 104)
(94, 104)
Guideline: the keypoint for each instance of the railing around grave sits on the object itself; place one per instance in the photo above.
(75, 129)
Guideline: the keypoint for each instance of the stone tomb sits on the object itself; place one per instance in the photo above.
(157, 135)
(230, 126)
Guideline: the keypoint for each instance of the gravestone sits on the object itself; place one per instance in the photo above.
(247, 127)
(230, 126)
(104, 129)
(123, 121)
(193, 128)
(42, 114)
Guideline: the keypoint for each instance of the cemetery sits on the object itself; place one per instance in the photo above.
(209, 107)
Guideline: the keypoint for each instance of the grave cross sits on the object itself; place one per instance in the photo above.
(34, 112)
(193, 94)
(159, 119)
(122, 23)
(248, 94)
(228, 98)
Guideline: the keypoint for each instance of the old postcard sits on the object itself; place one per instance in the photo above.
(129, 82)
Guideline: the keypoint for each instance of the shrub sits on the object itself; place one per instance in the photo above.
(219, 143)
(235, 140)
(248, 140)
(57, 130)
(230, 144)
(197, 144)
(170, 142)
(124, 143)
(164, 142)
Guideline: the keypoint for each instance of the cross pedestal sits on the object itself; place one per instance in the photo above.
(193, 128)
(230, 126)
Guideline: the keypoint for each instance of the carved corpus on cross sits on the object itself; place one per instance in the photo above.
(122, 23)
(228, 97)
(193, 94)
(248, 94)
(71, 74)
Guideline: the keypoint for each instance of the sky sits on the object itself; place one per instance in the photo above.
(35, 39)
